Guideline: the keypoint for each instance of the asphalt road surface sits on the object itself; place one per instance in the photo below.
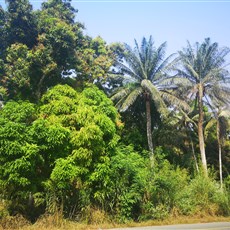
(210, 226)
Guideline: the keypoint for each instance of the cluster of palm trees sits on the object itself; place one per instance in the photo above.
(197, 74)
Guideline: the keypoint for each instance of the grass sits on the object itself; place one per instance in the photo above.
(50, 223)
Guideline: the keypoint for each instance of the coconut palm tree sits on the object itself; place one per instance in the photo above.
(221, 130)
(143, 72)
(220, 118)
(202, 75)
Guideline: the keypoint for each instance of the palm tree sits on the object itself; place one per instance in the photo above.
(143, 72)
(220, 118)
(202, 76)
(221, 131)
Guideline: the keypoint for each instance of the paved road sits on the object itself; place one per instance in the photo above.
(211, 226)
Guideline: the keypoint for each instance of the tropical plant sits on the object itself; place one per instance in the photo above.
(128, 176)
(220, 117)
(20, 23)
(19, 156)
(79, 170)
(201, 75)
(143, 70)
(221, 131)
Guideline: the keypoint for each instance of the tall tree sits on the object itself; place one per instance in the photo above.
(143, 72)
(201, 75)
(21, 23)
(94, 59)
(61, 9)
(28, 73)
(60, 33)
(2, 32)
(219, 120)
(221, 131)
(29, 68)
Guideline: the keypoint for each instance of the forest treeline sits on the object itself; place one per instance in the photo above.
(91, 131)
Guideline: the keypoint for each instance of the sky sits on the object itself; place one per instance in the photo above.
(171, 21)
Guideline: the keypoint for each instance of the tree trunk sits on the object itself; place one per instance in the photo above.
(193, 151)
(39, 86)
(200, 129)
(149, 130)
(220, 153)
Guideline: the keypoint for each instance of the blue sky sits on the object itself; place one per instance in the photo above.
(171, 21)
(174, 22)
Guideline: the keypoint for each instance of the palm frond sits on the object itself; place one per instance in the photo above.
(155, 95)
(130, 99)
(219, 93)
(177, 81)
(175, 101)
(225, 113)
(146, 54)
(156, 63)
(188, 119)
(128, 71)
(183, 73)
(204, 63)
(164, 67)
(132, 58)
(120, 94)
(216, 75)
(208, 126)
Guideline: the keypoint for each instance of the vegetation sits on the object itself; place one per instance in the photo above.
(203, 77)
(69, 155)
(144, 71)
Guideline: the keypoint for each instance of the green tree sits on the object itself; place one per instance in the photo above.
(94, 59)
(128, 178)
(2, 32)
(61, 9)
(17, 66)
(92, 122)
(201, 76)
(57, 153)
(21, 23)
(19, 156)
(144, 70)
(219, 120)
(60, 38)
(221, 131)
(28, 73)
(59, 31)
(40, 50)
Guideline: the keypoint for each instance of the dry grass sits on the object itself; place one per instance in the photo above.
(51, 223)
(182, 220)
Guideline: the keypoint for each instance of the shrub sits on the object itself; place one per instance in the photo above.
(203, 196)
(166, 182)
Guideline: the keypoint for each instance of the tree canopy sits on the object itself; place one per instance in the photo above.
(74, 114)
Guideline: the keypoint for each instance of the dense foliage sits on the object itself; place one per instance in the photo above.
(66, 151)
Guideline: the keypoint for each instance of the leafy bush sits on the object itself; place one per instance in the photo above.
(203, 196)
(57, 156)
(127, 178)
(90, 121)
(166, 182)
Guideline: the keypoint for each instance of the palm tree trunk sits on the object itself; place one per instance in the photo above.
(200, 129)
(220, 153)
(193, 151)
(149, 130)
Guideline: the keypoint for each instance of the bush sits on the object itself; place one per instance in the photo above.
(163, 188)
(203, 196)
(128, 178)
